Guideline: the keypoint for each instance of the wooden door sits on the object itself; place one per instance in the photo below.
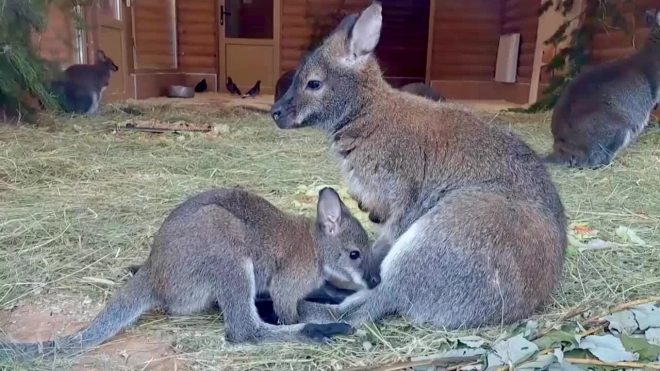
(111, 37)
(249, 43)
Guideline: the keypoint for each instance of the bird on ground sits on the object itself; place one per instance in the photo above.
(254, 91)
(231, 87)
(201, 86)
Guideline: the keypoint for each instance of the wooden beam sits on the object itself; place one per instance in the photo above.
(429, 41)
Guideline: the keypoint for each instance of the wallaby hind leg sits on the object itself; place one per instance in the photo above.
(242, 321)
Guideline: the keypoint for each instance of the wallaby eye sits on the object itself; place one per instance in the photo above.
(354, 255)
(314, 85)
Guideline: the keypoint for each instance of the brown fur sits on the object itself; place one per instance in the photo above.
(469, 214)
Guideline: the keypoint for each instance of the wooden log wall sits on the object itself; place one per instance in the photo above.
(296, 28)
(58, 42)
(521, 16)
(197, 35)
(404, 40)
(153, 35)
(465, 39)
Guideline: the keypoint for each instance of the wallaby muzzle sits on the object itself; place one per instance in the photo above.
(283, 112)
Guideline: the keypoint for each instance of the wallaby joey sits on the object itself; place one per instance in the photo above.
(83, 86)
(228, 245)
(472, 231)
(605, 108)
(423, 90)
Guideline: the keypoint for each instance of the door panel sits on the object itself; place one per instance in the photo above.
(111, 36)
(247, 45)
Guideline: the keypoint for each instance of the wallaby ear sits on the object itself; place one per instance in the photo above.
(328, 211)
(101, 55)
(365, 33)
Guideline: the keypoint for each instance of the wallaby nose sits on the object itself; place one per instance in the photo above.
(373, 281)
(275, 113)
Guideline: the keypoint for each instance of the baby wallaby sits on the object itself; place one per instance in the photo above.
(472, 229)
(228, 245)
(605, 108)
(83, 85)
(423, 90)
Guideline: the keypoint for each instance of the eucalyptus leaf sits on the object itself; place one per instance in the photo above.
(647, 352)
(555, 339)
(607, 348)
(653, 335)
(511, 351)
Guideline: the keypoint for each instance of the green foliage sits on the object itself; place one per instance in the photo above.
(22, 72)
(570, 59)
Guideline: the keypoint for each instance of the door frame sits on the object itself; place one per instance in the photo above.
(90, 39)
(222, 60)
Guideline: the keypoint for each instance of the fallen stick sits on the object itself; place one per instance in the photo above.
(619, 308)
(595, 362)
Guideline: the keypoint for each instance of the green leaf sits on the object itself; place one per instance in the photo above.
(607, 348)
(556, 339)
(629, 235)
(647, 351)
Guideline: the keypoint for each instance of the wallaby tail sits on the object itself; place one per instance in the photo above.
(125, 307)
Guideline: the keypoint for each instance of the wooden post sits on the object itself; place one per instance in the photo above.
(429, 42)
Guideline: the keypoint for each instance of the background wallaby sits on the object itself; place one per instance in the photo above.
(423, 90)
(473, 231)
(283, 84)
(605, 108)
(83, 84)
(227, 245)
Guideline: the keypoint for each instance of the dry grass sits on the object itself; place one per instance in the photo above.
(79, 201)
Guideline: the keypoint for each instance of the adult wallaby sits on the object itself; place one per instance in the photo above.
(83, 84)
(423, 90)
(226, 246)
(472, 232)
(605, 108)
(283, 84)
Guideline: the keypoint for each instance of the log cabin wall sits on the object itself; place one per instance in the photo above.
(521, 16)
(58, 43)
(403, 43)
(465, 45)
(402, 47)
(197, 40)
(296, 25)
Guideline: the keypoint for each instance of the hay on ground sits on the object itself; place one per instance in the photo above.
(80, 203)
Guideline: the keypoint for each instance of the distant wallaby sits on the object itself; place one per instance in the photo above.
(473, 231)
(423, 90)
(605, 108)
(283, 84)
(226, 246)
(83, 85)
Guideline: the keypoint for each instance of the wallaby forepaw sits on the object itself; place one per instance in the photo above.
(324, 332)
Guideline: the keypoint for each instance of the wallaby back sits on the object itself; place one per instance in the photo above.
(225, 246)
(423, 90)
(605, 108)
(83, 85)
(452, 193)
